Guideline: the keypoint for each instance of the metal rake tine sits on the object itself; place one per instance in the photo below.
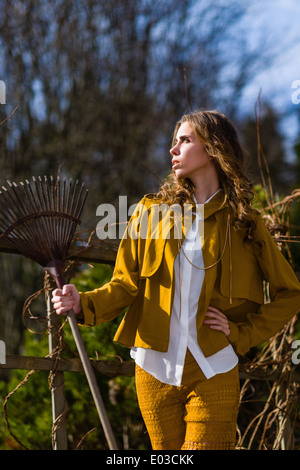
(20, 196)
(66, 210)
(28, 190)
(63, 194)
(53, 190)
(69, 195)
(80, 199)
(30, 195)
(68, 223)
(51, 193)
(47, 194)
(13, 200)
(41, 198)
(39, 194)
(31, 208)
(21, 200)
(73, 197)
(44, 200)
(27, 208)
(14, 234)
(57, 198)
(4, 193)
(48, 205)
(11, 213)
(74, 206)
(83, 200)
(32, 229)
(55, 193)
(42, 224)
(60, 209)
(78, 206)
(77, 197)
(46, 197)
(64, 202)
(70, 212)
(10, 208)
(80, 209)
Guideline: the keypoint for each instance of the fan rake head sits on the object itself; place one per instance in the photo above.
(39, 219)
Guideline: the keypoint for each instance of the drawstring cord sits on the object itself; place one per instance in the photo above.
(230, 263)
(227, 238)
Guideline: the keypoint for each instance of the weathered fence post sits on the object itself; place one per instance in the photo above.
(59, 431)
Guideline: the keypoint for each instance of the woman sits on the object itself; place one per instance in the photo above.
(193, 281)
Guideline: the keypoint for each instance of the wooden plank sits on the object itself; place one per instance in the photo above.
(266, 375)
(111, 368)
(97, 251)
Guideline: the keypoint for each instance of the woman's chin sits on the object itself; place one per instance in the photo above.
(180, 174)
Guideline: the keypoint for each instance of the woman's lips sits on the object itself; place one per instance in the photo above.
(175, 165)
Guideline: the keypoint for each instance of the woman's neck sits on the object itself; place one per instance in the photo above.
(206, 190)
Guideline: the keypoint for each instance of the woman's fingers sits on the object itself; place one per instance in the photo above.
(217, 320)
(66, 299)
(62, 304)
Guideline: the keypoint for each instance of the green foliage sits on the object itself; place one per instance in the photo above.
(29, 408)
(260, 197)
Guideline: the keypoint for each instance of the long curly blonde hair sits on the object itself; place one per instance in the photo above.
(219, 138)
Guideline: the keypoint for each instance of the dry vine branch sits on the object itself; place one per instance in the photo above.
(8, 117)
(268, 428)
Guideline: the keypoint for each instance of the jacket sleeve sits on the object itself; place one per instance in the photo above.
(107, 302)
(284, 292)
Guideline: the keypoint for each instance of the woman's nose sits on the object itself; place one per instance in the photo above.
(174, 150)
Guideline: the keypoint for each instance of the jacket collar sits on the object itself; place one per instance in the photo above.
(209, 208)
(184, 219)
(214, 204)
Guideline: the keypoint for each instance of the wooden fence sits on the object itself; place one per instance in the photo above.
(100, 253)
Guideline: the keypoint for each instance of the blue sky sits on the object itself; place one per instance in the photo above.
(279, 20)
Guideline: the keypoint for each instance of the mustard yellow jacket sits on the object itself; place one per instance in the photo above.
(143, 279)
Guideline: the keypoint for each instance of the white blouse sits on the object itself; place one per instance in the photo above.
(168, 366)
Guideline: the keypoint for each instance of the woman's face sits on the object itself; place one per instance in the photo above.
(189, 157)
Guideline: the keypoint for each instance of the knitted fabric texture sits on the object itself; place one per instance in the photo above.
(201, 414)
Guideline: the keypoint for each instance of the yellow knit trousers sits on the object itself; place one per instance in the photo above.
(201, 414)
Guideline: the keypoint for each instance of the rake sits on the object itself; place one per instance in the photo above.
(39, 219)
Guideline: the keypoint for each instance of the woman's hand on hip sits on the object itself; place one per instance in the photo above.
(217, 320)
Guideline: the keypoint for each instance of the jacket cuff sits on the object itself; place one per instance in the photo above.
(88, 314)
(234, 333)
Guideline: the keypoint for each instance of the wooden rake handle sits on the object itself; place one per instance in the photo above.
(90, 375)
(54, 269)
